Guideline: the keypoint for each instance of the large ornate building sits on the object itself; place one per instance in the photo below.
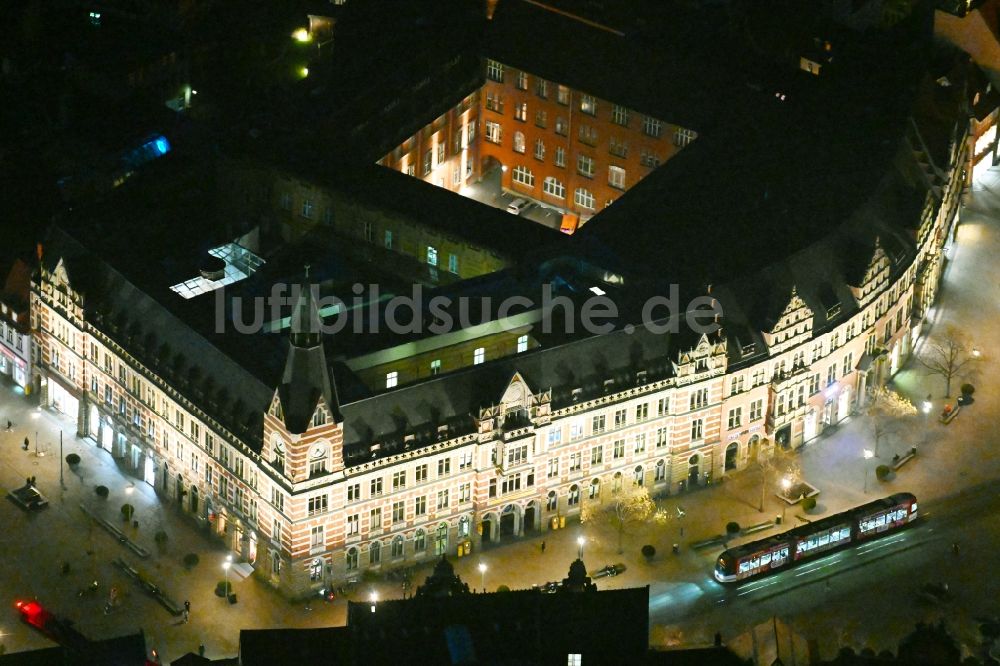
(320, 456)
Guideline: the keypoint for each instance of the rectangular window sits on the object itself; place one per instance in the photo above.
(541, 119)
(435, 366)
(618, 147)
(541, 88)
(575, 462)
(683, 137)
(562, 95)
(432, 256)
(588, 104)
(494, 71)
(522, 80)
(375, 485)
(316, 539)
(616, 177)
(307, 208)
(553, 468)
(848, 362)
(479, 355)
(576, 430)
(585, 166)
(642, 412)
(521, 111)
(619, 115)
(621, 417)
(584, 198)
(354, 492)
(391, 379)
(442, 499)
(735, 417)
(428, 162)
(597, 455)
(522, 343)
(317, 505)
(587, 134)
(398, 512)
(353, 524)
(619, 449)
(465, 460)
(663, 406)
(494, 133)
(420, 474)
(756, 409)
(539, 149)
(597, 424)
(388, 239)
(652, 127)
(661, 437)
(453, 264)
(523, 176)
(648, 159)
(831, 374)
(399, 480)
(697, 429)
(640, 443)
(444, 467)
(555, 436)
(465, 493)
(420, 506)
(375, 519)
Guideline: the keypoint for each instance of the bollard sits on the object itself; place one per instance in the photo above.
(676, 549)
(913, 450)
(777, 519)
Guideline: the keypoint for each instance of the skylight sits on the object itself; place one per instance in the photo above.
(241, 263)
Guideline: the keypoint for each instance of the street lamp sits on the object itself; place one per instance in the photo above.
(869, 454)
(482, 574)
(579, 542)
(926, 407)
(786, 485)
(225, 567)
(374, 599)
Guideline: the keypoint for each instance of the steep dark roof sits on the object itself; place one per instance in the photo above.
(267, 647)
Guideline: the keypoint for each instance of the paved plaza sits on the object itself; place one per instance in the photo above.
(950, 459)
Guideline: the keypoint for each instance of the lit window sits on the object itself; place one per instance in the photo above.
(432, 256)
(652, 126)
(479, 355)
(391, 379)
(435, 366)
(585, 166)
(519, 142)
(522, 343)
(584, 198)
(523, 176)
(616, 177)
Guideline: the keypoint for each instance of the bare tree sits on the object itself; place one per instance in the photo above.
(629, 505)
(886, 410)
(947, 356)
(780, 462)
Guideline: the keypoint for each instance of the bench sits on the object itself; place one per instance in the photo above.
(716, 540)
(758, 527)
(902, 461)
(950, 416)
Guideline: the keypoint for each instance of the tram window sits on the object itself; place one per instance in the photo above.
(765, 559)
(913, 508)
(755, 563)
(845, 533)
(744, 567)
(824, 539)
(880, 521)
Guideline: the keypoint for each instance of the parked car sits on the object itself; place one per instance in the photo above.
(610, 570)
(27, 497)
(517, 206)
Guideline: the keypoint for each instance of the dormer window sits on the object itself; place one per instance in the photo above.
(319, 418)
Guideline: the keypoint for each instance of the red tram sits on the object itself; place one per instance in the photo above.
(853, 526)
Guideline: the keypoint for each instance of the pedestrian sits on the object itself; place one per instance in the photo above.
(187, 610)
(33, 480)
(9, 425)
(25, 447)
(543, 546)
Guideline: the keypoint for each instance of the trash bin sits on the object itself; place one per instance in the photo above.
(777, 519)
(232, 598)
(562, 521)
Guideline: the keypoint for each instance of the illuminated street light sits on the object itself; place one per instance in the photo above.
(869, 454)
(482, 573)
(225, 567)
(374, 599)
(579, 542)
(975, 352)
(926, 406)
(302, 36)
(303, 72)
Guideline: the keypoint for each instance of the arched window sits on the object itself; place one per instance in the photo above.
(574, 495)
(693, 460)
(617, 486)
(518, 142)
(595, 489)
(275, 563)
(661, 470)
(352, 559)
(637, 475)
(420, 541)
(552, 501)
(441, 539)
(375, 553)
(278, 448)
(316, 569)
(397, 547)
(463, 527)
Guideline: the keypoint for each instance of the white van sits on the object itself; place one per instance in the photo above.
(517, 206)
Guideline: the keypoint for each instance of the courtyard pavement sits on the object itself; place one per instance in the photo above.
(950, 458)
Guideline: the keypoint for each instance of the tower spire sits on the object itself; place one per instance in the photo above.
(305, 316)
